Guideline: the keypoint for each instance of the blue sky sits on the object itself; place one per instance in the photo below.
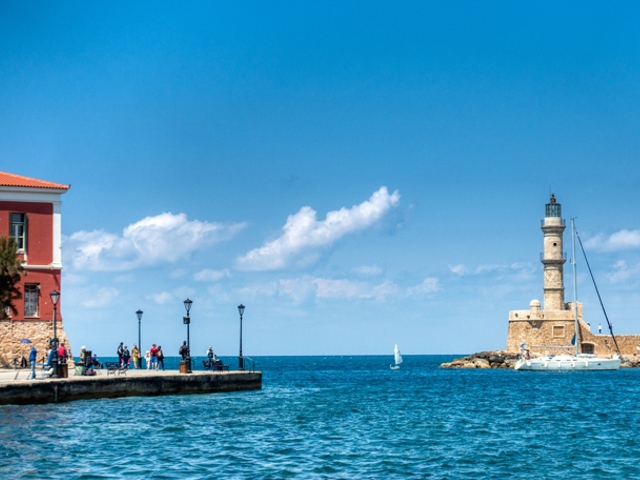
(357, 174)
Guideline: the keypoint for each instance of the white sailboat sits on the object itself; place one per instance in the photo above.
(397, 358)
(578, 361)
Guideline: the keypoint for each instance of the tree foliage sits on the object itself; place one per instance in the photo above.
(11, 270)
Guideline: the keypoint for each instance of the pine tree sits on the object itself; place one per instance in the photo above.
(11, 270)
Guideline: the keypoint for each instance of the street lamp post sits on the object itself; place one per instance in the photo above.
(187, 321)
(55, 296)
(139, 315)
(240, 357)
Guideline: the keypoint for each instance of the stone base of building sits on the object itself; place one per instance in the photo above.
(38, 331)
(551, 332)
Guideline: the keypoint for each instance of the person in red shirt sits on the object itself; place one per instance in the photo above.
(62, 354)
(154, 357)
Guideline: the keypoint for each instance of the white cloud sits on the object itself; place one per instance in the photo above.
(208, 275)
(303, 234)
(622, 240)
(521, 269)
(623, 272)
(307, 287)
(428, 285)
(368, 271)
(101, 298)
(164, 238)
(459, 270)
(162, 298)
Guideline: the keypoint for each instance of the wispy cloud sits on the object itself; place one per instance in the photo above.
(303, 235)
(101, 298)
(623, 272)
(162, 298)
(622, 240)
(459, 270)
(208, 275)
(428, 285)
(368, 270)
(519, 268)
(164, 238)
(308, 287)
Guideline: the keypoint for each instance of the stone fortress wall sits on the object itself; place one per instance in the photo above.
(38, 331)
(549, 331)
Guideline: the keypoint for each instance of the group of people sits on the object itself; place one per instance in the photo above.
(154, 357)
(63, 356)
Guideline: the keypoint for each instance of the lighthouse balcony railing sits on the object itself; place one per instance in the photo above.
(563, 222)
(564, 257)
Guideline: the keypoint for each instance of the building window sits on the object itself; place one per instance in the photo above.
(31, 297)
(558, 331)
(19, 229)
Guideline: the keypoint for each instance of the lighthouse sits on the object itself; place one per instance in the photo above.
(553, 256)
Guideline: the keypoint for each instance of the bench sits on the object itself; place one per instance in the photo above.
(115, 367)
(217, 365)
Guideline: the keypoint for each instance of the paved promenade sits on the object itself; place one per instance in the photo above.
(9, 375)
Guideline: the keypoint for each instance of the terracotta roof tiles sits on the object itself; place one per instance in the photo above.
(12, 180)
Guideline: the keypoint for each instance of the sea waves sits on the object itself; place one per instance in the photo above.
(343, 417)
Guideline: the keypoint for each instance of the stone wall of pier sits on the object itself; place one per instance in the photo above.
(82, 388)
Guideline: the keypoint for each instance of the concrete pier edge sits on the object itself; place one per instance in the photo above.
(40, 391)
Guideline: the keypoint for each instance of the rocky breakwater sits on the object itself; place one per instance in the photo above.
(630, 361)
(490, 359)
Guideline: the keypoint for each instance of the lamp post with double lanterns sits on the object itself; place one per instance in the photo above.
(240, 357)
(139, 315)
(187, 322)
(55, 296)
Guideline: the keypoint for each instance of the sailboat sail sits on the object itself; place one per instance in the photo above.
(397, 355)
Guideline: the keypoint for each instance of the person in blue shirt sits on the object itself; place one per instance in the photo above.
(32, 358)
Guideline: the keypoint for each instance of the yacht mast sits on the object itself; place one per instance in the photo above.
(575, 283)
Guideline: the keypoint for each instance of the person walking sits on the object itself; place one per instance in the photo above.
(120, 352)
(135, 356)
(33, 354)
(599, 328)
(160, 357)
(147, 359)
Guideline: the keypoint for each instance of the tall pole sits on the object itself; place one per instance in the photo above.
(139, 315)
(240, 357)
(55, 295)
(188, 348)
(187, 320)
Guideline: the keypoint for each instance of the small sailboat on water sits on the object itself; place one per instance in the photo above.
(397, 358)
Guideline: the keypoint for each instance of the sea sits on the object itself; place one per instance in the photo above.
(343, 417)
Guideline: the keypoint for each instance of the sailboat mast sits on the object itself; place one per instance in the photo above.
(575, 283)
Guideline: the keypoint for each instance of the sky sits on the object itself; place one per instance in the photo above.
(357, 174)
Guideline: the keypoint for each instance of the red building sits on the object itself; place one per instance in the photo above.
(30, 213)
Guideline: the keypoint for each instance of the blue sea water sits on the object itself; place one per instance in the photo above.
(343, 417)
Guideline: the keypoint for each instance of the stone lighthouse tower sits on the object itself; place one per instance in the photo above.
(553, 257)
(550, 330)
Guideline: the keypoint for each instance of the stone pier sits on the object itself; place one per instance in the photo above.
(134, 383)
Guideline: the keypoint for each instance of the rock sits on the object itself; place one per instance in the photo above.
(482, 363)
